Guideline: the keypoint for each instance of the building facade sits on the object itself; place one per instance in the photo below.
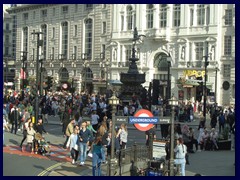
(181, 36)
(91, 44)
(73, 39)
(8, 49)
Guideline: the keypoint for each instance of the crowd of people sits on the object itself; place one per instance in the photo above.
(93, 137)
(84, 137)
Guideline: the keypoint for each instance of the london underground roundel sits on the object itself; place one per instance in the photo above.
(143, 126)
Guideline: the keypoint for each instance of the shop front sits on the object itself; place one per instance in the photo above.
(191, 86)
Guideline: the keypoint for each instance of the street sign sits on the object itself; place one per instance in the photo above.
(146, 120)
(121, 119)
(159, 149)
(143, 126)
(165, 120)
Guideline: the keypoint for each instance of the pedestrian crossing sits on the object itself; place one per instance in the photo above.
(57, 153)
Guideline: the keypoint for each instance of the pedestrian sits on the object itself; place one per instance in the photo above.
(201, 127)
(73, 143)
(69, 131)
(39, 127)
(45, 112)
(25, 127)
(181, 151)
(151, 131)
(213, 138)
(221, 121)
(15, 117)
(123, 136)
(193, 139)
(4, 127)
(95, 119)
(97, 156)
(84, 137)
(30, 137)
(103, 132)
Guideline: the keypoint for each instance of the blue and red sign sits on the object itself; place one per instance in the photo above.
(143, 120)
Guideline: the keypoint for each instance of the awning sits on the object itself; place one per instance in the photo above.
(116, 82)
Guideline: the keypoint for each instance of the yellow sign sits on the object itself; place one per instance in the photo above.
(33, 119)
(193, 73)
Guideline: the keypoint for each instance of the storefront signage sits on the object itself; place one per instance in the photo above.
(193, 73)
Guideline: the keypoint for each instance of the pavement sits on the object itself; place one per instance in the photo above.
(207, 163)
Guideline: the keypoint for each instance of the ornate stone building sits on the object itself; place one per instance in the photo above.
(180, 35)
(73, 43)
(91, 43)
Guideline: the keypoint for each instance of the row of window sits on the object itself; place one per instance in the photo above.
(202, 14)
(64, 10)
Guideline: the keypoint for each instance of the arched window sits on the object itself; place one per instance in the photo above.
(160, 62)
(149, 16)
(44, 38)
(63, 74)
(88, 38)
(65, 39)
(129, 18)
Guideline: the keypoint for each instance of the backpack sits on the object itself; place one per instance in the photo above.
(221, 119)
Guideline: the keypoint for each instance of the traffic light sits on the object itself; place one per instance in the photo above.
(49, 82)
(25, 83)
(45, 81)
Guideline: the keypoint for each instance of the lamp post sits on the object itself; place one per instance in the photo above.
(113, 101)
(107, 64)
(24, 58)
(205, 84)
(41, 75)
(173, 102)
(39, 43)
(216, 71)
(84, 58)
(168, 78)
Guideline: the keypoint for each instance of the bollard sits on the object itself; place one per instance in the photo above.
(150, 146)
(135, 152)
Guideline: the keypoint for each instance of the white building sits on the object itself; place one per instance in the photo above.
(183, 34)
(74, 40)
(8, 48)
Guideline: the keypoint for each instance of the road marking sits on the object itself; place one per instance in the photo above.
(49, 169)
(54, 128)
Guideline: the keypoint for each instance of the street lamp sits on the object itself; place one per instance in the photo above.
(173, 102)
(84, 58)
(168, 78)
(41, 74)
(216, 71)
(113, 101)
(39, 43)
(23, 72)
(206, 63)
